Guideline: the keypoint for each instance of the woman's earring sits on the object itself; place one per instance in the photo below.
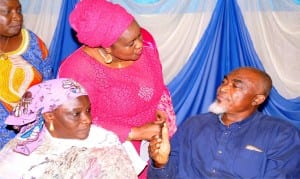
(107, 58)
(51, 127)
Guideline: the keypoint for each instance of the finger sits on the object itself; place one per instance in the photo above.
(154, 148)
(160, 116)
(155, 139)
(165, 133)
(160, 122)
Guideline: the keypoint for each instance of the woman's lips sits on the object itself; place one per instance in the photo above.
(15, 27)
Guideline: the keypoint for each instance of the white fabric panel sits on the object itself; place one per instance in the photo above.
(176, 37)
(276, 38)
(41, 16)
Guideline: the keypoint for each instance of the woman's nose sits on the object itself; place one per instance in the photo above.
(139, 44)
(86, 119)
(16, 16)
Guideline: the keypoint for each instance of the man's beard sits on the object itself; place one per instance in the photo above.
(217, 108)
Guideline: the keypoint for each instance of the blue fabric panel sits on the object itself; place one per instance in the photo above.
(64, 41)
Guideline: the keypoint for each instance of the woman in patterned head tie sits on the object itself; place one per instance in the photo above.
(57, 138)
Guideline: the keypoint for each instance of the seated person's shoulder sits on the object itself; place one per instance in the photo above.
(204, 117)
(278, 123)
(103, 135)
(199, 120)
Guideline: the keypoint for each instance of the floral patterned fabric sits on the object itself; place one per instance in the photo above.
(99, 156)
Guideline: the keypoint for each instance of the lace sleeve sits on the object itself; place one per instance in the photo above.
(165, 104)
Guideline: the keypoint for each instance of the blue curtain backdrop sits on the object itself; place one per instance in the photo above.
(225, 46)
(64, 41)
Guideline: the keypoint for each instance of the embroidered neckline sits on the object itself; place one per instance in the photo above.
(23, 46)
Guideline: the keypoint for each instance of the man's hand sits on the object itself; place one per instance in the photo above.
(159, 148)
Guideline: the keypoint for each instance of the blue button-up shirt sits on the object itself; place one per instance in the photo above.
(257, 147)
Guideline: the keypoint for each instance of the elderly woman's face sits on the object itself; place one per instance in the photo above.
(11, 18)
(72, 120)
(130, 45)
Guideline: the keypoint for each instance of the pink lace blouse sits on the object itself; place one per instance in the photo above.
(126, 97)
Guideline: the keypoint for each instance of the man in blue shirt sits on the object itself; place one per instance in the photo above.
(234, 140)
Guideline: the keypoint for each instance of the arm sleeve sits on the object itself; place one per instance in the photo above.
(165, 104)
(284, 155)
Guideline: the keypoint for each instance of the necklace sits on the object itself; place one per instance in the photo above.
(3, 55)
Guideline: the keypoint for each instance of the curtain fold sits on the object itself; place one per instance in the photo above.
(64, 41)
(225, 45)
(199, 42)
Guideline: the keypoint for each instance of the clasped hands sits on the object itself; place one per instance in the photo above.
(146, 131)
(156, 133)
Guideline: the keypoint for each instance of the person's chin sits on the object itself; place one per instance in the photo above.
(83, 134)
(137, 56)
(217, 108)
(15, 29)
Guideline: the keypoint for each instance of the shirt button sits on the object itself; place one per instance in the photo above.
(214, 170)
(220, 152)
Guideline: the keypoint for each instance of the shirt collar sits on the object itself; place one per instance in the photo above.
(241, 123)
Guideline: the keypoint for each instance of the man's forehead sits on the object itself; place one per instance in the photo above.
(242, 73)
(243, 76)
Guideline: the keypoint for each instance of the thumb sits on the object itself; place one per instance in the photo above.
(165, 133)
(164, 150)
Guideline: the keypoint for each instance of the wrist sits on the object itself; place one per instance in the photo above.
(130, 136)
(158, 165)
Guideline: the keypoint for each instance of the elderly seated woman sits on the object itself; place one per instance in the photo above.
(57, 140)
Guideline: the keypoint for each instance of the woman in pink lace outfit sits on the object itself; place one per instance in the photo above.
(119, 66)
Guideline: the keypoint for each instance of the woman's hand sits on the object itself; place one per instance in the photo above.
(148, 130)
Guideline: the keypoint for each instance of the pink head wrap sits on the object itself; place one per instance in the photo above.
(40, 98)
(99, 22)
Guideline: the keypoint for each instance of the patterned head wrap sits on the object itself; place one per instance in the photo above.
(99, 22)
(40, 98)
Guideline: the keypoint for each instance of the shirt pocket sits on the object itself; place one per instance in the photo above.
(249, 163)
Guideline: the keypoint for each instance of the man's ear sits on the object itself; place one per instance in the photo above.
(259, 99)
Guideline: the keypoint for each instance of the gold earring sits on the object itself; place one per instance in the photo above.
(51, 127)
(107, 57)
